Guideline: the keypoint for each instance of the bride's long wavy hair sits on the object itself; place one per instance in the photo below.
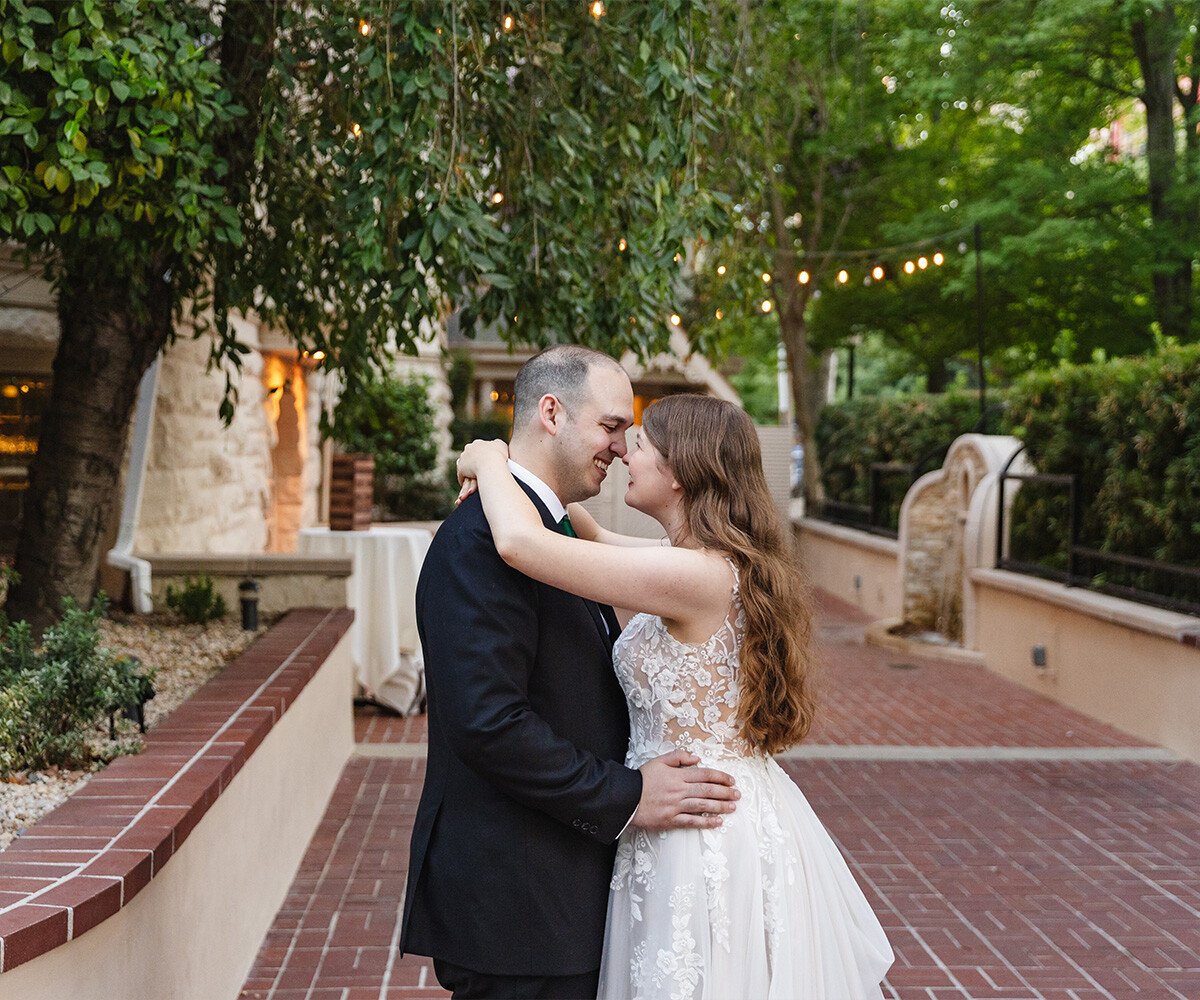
(713, 453)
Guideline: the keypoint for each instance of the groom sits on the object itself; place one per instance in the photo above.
(525, 791)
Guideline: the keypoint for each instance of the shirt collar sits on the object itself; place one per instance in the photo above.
(545, 494)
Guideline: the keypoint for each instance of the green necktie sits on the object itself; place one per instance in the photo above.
(565, 527)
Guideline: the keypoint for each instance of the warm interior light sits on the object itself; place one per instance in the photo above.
(909, 267)
(10, 392)
(495, 395)
(843, 277)
(803, 277)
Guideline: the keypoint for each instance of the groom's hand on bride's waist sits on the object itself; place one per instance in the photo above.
(678, 795)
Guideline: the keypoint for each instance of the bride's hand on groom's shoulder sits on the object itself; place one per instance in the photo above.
(677, 794)
(471, 460)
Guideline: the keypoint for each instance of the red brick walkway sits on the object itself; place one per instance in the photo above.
(997, 879)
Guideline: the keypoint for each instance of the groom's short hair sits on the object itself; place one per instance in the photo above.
(561, 371)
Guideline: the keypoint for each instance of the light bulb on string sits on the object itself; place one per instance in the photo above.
(497, 197)
(909, 267)
(364, 27)
(719, 314)
(922, 262)
(766, 305)
(720, 269)
(843, 276)
(803, 277)
(766, 277)
(675, 319)
(939, 259)
(597, 9)
(877, 273)
(508, 22)
(622, 246)
(677, 258)
(355, 129)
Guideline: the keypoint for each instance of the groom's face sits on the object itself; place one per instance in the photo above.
(592, 436)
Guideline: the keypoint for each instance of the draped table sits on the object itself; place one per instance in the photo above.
(382, 591)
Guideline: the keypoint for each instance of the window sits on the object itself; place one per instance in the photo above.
(23, 399)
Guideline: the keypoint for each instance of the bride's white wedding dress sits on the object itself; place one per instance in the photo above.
(764, 906)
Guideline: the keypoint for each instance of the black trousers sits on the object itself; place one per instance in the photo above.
(467, 984)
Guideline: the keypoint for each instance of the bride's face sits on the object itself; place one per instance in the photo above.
(652, 487)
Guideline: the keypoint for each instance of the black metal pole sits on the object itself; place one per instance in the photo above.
(979, 338)
(850, 373)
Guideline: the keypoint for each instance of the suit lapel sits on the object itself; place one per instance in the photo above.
(594, 609)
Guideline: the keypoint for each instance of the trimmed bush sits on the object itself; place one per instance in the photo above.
(52, 696)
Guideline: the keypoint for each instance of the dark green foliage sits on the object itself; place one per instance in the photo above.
(1130, 428)
(52, 696)
(463, 430)
(393, 420)
(460, 372)
(897, 429)
(197, 602)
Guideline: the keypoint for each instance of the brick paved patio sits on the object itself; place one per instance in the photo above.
(1056, 878)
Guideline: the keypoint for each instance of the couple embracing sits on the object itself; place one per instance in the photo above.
(601, 815)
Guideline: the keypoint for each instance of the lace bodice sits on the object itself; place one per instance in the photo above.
(682, 695)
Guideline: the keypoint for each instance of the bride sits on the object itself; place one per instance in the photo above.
(716, 663)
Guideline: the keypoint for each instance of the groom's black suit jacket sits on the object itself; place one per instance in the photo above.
(525, 791)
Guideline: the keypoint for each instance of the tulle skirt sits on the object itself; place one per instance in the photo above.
(764, 907)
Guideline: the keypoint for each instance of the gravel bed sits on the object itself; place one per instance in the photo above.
(185, 656)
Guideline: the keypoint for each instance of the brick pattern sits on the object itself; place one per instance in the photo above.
(93, 854)
(995, 880)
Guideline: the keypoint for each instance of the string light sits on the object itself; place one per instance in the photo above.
(364, 28)
(843, 277)
(675, 320)
(719, 314)
(909, 267)
(677, 258)
(766, 305)
(922, 262)
(597, 10)
(803, 277)
(622, 245)
(318, 355)
(720, 269)
(497, 198)
(877, 273)
(356, 130)
(939, 259)
(508, 22)
(766, 277)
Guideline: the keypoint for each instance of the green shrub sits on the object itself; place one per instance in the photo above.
(464, 430)
(853, 435)
(1130, 429)
(53, 695)
(198, 602)
(394, 421)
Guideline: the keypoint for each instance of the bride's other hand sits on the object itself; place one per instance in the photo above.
(467, 486)
(474, 455)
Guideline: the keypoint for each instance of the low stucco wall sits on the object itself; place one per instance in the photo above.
(193, 932)
(1120, 662)
(857, 567)
(285, 581)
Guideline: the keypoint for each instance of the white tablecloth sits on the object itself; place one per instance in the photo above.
(382, 592)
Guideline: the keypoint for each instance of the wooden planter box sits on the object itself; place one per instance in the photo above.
(351, 492)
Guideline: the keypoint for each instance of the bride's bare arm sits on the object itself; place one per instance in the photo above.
(589, 528)
(678, 584)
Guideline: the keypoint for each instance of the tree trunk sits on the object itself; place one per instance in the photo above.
(936, 375)
(1156, 42)
(807, 396)
(73, 481)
